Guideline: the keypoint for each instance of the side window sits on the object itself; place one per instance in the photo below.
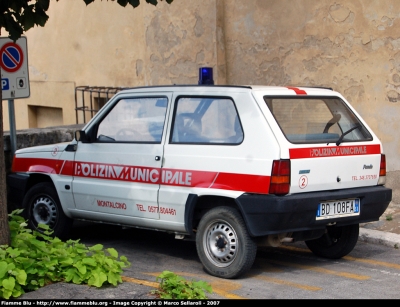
(134, 120)
(206, 120)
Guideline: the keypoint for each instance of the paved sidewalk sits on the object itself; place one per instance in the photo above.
(386, 231)
(379, 237)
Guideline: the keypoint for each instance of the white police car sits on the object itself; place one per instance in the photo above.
(233, 167)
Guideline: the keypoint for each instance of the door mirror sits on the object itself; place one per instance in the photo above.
(80, 136)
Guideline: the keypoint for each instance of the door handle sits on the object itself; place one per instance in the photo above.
(157, 158)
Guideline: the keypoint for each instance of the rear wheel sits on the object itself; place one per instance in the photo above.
(336, 243)
(42, 205)
(223, 244)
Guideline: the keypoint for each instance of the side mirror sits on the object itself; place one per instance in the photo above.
(80, 136)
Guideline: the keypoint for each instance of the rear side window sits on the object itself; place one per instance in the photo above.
(316, 120)
(206, 120)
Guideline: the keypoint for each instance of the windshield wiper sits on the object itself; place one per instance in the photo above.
(339, 141)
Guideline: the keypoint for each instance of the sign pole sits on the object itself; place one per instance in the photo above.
(13, 134)
(14, 78)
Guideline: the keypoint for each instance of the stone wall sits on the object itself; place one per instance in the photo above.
(36, 137)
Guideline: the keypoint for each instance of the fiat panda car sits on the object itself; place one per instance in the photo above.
(231, 167)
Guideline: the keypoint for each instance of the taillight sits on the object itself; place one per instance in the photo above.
(280, 177)
(382, 170)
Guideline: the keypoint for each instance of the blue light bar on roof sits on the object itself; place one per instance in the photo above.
(206, 75)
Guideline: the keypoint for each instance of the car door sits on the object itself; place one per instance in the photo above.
(117, 169)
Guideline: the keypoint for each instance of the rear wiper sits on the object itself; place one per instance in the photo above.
(347, 132)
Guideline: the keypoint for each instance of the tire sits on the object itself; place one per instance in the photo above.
(223, 244)
(42, 205)
(336, 243)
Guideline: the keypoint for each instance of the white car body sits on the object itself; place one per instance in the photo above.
(152, 178)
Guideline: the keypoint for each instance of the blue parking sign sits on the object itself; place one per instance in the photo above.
(5, 84)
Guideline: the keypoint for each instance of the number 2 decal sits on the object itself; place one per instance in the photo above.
(303, 182)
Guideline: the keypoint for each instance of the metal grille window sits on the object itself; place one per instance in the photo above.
(90, 99)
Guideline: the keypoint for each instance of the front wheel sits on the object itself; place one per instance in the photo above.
(223, 244)
(42, 206)
(336, 243)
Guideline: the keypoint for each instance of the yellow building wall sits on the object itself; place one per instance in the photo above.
(50, 104)
(351, 46)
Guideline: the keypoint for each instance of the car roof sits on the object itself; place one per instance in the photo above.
(202, 89)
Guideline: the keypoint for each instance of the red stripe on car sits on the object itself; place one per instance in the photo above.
(297, 90)
(336, 151)
(141, 174)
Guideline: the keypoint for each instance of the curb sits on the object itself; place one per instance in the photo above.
(379, 237)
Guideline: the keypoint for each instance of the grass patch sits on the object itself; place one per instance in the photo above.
(173, 286)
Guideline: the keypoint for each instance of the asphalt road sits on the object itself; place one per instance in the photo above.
(371, 270)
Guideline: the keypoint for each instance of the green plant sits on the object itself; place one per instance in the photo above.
(36, 259)
(389, 217)
(173, 286)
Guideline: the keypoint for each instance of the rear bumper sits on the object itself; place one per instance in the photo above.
(270, 214)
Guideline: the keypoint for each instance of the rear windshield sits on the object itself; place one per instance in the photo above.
(316, 120)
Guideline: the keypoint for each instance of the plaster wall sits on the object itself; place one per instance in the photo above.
(105, 44)
(351, 46)
(45, 97)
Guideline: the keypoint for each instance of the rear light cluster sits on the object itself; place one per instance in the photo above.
(382, 171)
(280, 177)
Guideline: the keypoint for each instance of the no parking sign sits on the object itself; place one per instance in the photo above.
(14, 68)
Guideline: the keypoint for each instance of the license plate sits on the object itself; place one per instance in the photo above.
(338, 208)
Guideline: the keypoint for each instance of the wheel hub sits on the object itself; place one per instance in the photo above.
(220, 243)
(45, 211)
